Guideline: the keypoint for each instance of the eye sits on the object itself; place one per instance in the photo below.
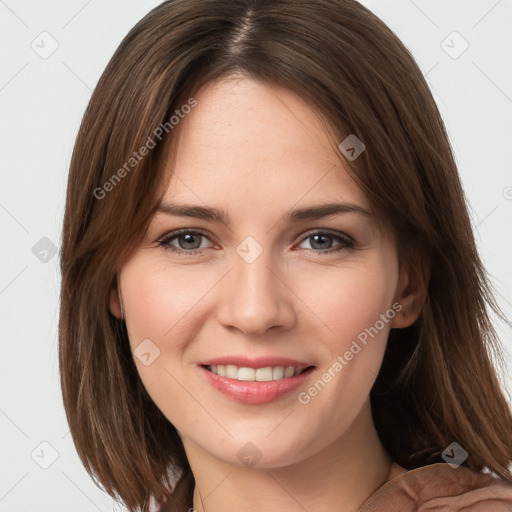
(188, 241)
(322, 242)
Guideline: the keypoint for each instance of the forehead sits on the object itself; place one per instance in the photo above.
(249, 143)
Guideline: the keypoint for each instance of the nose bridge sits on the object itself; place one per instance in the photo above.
(255, 299)
(255, 278)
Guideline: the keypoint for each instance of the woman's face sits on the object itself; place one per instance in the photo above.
(273, 285)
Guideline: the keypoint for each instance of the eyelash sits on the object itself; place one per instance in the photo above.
(347, 242)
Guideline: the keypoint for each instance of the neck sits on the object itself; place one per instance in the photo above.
(340, 477)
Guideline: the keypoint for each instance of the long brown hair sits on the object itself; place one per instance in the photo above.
(437, 383)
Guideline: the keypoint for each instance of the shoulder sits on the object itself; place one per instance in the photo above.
(438, 487)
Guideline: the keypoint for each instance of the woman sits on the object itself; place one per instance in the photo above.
(213, 354)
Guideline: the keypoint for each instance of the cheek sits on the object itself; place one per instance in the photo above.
(159, 305)
(163, 304)
(348, 300)
(159, 301)
(350, 303)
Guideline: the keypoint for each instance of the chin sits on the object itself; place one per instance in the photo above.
(264, 451)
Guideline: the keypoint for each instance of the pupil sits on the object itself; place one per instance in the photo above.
(317, 239)
(189, 239)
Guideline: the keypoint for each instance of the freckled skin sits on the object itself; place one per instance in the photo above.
(257, 152)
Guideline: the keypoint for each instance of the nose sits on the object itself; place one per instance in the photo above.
(256, 297)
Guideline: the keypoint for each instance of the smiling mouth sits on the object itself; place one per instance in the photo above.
(265, 374)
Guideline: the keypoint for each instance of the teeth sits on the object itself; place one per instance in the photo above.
(246, 374)
(263, 374)
(288, 372)
(253, 374)
(231, 371)
(277, 372)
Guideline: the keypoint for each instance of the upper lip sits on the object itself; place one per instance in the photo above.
(256, 362)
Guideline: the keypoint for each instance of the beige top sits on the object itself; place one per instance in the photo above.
(433, 488)
(439, 488)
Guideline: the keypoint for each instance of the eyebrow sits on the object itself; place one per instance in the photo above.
(294, 216)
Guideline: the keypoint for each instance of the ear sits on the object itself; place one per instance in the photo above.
(411, 293)
(115, 305)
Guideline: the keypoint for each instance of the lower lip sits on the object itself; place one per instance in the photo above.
(253, 392)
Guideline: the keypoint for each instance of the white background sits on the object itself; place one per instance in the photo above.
(42, 102)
